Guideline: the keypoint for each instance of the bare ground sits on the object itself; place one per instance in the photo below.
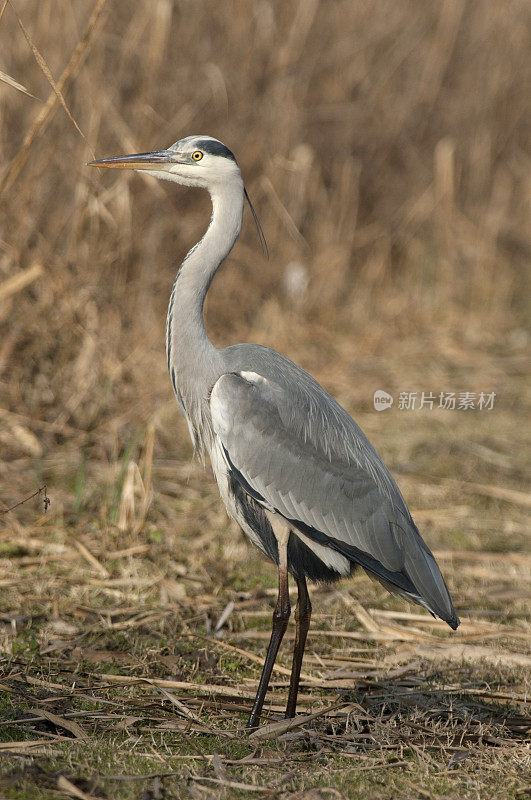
(113, 666)
(384, 146)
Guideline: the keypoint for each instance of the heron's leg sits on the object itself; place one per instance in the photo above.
(303, 614)
(280, 623)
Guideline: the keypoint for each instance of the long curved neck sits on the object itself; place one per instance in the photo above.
(188, 347)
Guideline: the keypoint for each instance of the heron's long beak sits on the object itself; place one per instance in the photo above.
(158, 159)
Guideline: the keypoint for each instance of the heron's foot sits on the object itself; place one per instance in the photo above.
(252, 723)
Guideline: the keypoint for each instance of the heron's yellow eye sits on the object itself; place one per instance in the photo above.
(197, 155)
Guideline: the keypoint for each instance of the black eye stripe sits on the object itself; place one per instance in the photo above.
(214, 148)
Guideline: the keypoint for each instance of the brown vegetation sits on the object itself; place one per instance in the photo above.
(385, 147)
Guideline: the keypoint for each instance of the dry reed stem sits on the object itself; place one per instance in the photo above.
(275, 729)
(16, 283)
(385, 154)
(67, 787)
(49, 77)
(43, 117)
(15, 84)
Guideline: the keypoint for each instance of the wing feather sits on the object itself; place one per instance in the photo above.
(305, 457)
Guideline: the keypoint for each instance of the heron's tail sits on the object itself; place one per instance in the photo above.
(420, 566)
(419, 578)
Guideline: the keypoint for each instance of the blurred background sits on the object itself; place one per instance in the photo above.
(385, 147)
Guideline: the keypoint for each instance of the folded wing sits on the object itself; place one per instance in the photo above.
(298, 453)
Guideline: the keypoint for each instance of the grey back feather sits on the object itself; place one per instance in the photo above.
(303, 456)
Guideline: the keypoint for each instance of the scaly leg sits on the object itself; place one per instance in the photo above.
(280, 623)
(303, 613)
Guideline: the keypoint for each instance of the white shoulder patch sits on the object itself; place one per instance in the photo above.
(221, 404)
(253, 377)
(218, 410)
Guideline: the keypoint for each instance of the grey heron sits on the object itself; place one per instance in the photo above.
(293, 468)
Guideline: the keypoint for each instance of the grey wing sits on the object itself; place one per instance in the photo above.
(299, 454)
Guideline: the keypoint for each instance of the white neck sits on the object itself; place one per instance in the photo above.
(188, 347)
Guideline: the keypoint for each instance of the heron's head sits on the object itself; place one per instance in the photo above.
(194, 161)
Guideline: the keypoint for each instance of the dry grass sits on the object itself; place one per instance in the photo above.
(384, 146)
